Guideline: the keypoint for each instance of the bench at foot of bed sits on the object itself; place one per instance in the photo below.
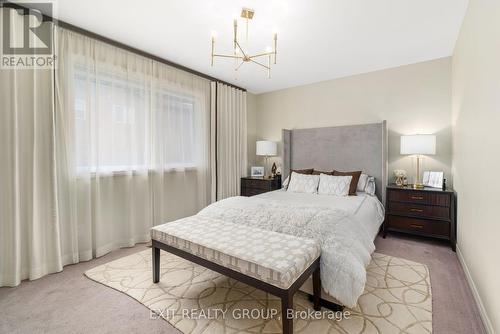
(273, 262)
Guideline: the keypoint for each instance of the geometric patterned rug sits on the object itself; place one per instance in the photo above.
(397, 298)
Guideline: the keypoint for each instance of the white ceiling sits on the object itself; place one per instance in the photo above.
(317, 39)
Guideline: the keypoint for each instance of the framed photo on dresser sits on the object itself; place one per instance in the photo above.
(257, 171)
(433, 179)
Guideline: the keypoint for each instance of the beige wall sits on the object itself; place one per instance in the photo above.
(413, 99)
(476, 144)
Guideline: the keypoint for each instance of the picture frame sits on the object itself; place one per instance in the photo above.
(433, 179)
(257, 171)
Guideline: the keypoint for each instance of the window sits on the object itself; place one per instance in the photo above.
(176, 124)
(120, 127)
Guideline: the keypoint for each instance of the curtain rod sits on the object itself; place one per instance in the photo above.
(126, 47)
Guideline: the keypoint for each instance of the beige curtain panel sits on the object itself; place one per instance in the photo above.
(30, 229)
(231, 123)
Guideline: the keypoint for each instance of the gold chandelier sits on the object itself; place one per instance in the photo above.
(240, 54)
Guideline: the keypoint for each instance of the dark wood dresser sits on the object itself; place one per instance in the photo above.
(428, 212)
(254, 186)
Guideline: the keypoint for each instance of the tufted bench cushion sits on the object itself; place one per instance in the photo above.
(276, 258)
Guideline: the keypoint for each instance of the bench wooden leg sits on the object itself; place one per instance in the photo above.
(286, 304)
(156, 264)
(317, 289)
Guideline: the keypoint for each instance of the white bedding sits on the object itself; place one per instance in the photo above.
(344, 226)
(365, 208)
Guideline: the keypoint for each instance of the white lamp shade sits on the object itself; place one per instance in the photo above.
(266, 147)
(418, 144)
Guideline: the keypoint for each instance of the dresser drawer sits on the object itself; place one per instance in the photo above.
(419, 210)
(419, 226)
(419, 197)
(256, 184)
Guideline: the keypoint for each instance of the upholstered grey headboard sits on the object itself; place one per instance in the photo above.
(344, 148)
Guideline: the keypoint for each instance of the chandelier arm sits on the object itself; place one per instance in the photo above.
(275, 37)
(213, 49)
(241, 49)
(261, 55)
(256, 62)
(237, 68)
(228, 56)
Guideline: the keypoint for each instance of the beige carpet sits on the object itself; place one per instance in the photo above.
(397, 298)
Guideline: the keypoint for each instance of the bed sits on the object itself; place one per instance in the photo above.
(347, 148)
(365, 213)
(343, 227)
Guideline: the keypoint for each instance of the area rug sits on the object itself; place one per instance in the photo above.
(397, 298)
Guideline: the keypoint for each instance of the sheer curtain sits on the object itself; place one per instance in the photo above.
(133, 145)
(104, 147)
(231, 139)
(181, 156)
(103, 115)
(29, 225)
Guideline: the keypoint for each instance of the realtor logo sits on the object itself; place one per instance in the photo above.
(27, 35)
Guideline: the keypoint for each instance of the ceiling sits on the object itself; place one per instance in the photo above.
(317, 39)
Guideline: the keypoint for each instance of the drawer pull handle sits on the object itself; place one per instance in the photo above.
(416, 210)
(416, 226)
(417, 197)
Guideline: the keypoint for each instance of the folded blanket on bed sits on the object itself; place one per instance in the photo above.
(346, 246)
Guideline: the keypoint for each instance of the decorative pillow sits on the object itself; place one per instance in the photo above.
(334, 185)
(307, 171)
(285, 183)
(366, 184)
(354, 180)
(370, 186)
(363, 179)
(303, 183)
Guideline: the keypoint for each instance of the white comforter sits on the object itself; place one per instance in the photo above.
(346, 242)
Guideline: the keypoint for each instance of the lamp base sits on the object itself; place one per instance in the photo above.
(418, 184)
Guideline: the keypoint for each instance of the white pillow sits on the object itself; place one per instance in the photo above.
(285, 183)
(334, 185)
(370, 186)
(363, 179)
(366, 184)
(303, 183)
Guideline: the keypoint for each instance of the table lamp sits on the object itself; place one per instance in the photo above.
(267, 149)
(418, 145)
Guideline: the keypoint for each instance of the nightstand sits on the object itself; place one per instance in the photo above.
(253, 186)
(427, 212)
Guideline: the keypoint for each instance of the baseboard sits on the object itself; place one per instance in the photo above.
(482, 311)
